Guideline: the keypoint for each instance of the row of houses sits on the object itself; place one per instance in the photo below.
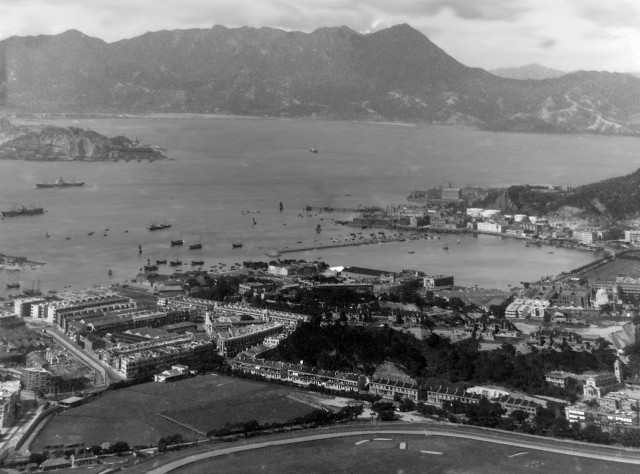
(299, 374)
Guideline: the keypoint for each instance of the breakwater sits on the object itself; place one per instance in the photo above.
(352, 243)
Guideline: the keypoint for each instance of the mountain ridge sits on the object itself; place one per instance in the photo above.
(394, 74)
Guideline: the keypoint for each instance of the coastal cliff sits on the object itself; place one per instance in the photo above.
(57, 143)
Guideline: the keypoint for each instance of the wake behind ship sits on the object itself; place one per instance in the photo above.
(20, 210)
(60, 183)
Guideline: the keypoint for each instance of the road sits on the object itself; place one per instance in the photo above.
(571, 448)
(107, 374)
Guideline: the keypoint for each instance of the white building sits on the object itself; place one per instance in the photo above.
(490, 227)
(632, 236)
(524, 308)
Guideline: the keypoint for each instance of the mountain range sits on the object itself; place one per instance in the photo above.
(530, 71)
(395, 74)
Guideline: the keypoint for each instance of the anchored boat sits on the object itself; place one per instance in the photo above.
(60, 183)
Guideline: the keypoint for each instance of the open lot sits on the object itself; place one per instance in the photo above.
(382, 454)
(203, 403)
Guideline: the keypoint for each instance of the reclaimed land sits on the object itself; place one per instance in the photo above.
(142, 414)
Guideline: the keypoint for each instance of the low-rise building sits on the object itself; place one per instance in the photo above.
(388, 388)
(598, 385)
(233, 341)
(490, 227)
(175, 373)
(438, 281)
(632, 236)
(142, 360)
(441, 395)
(367, 274)
(559, 378)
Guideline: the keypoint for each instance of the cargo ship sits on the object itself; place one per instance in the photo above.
(20, 210)
(60, 183)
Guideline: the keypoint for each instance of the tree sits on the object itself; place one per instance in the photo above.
(37, 458)
(407, 404)
(120, 447)
(519, 416)
(384, 410)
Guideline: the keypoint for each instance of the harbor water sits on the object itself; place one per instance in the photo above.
(226, 177)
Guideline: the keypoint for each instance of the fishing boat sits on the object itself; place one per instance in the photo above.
(196, 245)
(177, 242)
(197, 262)
(445, 247)
(161, 262)
(15, 284)
(60, 183)
(175, 263)
(155, 226)
(313, 149)
(236, 245)
(110, 272)
(318, 228)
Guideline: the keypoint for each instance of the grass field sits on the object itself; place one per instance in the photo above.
(617, 267)
(205, 402)
(443, 455)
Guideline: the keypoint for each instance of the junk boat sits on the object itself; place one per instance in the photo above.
(13, 285)
(236, 245)
(197, 262)
(175, 263)
(156, 226)
(161, 262)
(60, 183)
(20, 210)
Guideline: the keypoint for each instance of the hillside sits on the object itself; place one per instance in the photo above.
(611, 199)
(395, 74)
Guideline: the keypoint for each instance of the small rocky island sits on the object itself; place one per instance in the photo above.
(75, 144)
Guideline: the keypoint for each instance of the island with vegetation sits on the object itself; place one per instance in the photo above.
(75, 144)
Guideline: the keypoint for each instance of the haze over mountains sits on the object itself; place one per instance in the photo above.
(396, 74)
(530, 71)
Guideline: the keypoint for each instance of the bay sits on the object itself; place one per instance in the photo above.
(226, 172)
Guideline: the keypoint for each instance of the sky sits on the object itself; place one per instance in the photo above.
(567, 35)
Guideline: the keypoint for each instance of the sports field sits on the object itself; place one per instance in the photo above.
(422, 455)
(202, 403)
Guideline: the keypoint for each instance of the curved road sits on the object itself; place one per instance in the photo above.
(585, 450)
